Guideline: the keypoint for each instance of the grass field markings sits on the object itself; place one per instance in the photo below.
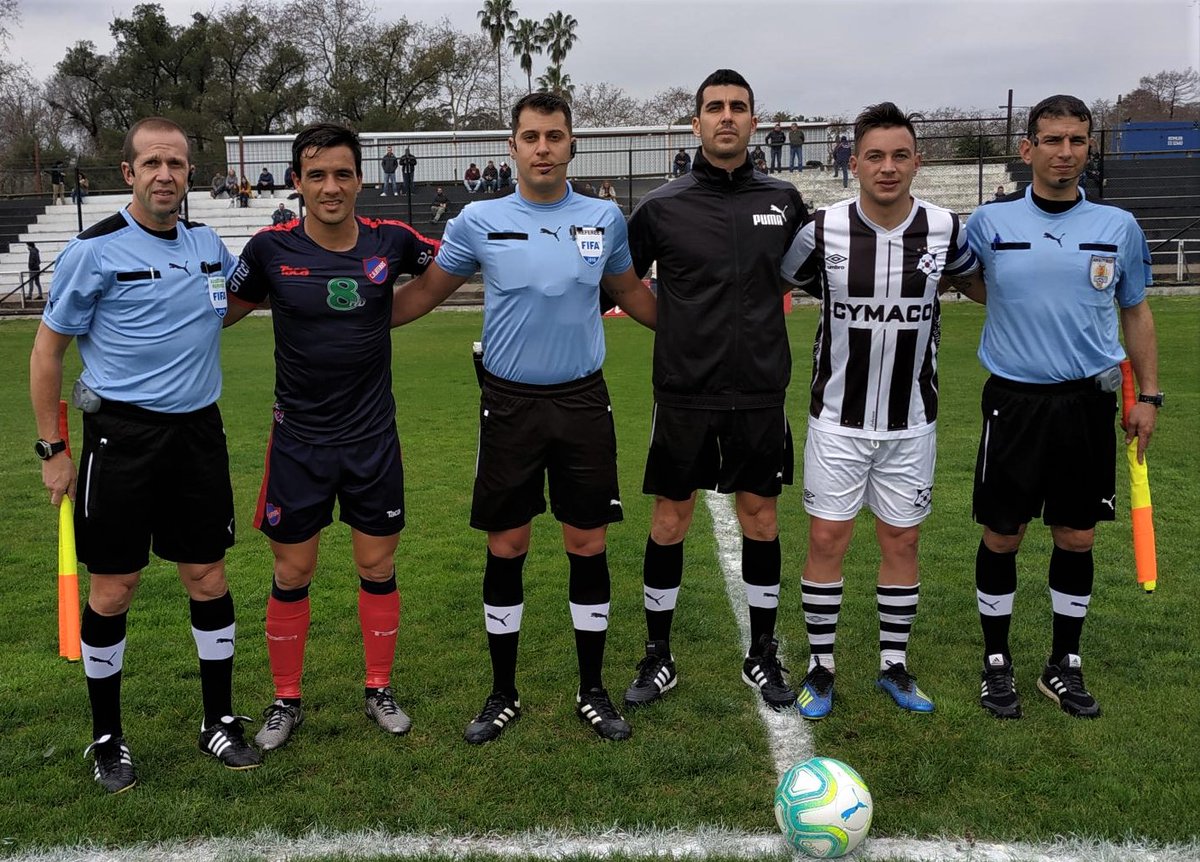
(701, 843)
(790, 738)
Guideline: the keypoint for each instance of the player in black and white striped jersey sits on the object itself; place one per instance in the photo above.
(877, 263)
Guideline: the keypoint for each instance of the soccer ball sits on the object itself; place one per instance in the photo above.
(823, 807)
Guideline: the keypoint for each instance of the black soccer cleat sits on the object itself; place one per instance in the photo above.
(998, 688)
(113, 763)
(1062, 682)
(226, 741)
(595, 709)
(499, 711)
(764, 672)
(655, 676)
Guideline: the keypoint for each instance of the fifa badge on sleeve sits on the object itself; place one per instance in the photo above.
(217, 295)
(590, 242)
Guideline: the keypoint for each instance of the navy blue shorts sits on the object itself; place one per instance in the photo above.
(526, 432)
(152, 480)
(301, 481)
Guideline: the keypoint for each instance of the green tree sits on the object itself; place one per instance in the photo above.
(560, 38)
(525, 40)
(554, 81)
(496, 20)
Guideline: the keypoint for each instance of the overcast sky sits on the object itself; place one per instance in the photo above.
(814, 58)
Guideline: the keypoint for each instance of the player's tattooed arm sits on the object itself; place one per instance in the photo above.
(631, 293)
(971, 286)
(424, 293)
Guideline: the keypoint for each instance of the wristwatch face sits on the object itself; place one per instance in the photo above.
(1156, 400)
(46, 451)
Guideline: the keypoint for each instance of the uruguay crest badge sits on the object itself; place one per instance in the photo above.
(1102, 271)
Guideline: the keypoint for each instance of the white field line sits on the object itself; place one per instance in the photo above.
(790, 742)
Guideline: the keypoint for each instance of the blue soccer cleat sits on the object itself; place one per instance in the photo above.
(902, 686)
(815, 698)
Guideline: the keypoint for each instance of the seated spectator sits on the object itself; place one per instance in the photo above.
(682, 163)
(244, 192)
(586, 188)
(266, 183)
(1000, 193)
(282, 215)
(438, 208)
(231, 187)
(218, 184)
(472, 179)
(757, 155)
(81, 189)
(504, 175)
(608, 193)
(760, 165)
(491, 177)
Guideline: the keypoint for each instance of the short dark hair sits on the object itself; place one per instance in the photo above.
(1057, 106)
(322, 136)
(543, 103)
(153, 124)
(885, 115)
(722, 78)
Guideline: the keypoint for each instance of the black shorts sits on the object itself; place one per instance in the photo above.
(301, 481)
(152, 480)
(726, 450)
(525, 432)
(1046, 450)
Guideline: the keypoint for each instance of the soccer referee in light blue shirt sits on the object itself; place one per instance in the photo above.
(545, 251)
(1054, 264)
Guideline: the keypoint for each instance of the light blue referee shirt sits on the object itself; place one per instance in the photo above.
(541, 265)
(146, 312)
(1051, 281)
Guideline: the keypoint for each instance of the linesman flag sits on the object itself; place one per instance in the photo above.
(68, 576)
(1145, 555)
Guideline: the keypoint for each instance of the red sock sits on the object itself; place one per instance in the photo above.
(287, 632)
(379, 616)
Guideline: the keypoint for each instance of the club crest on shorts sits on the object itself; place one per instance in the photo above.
(217, 295)
(1102, 271)
(590, 242)
(274, 514)
(376, 269)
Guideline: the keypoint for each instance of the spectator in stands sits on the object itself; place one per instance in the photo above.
(682, 163)
(282, 215)
(1000, 193)
(289, 178)
(408, 170)
(438, 208)
(35, 271)
(472, 179)
(586, 188)
(1093, 182)
(757, 155)
(504, 175)
(58, 183)
(491, 177)
(795, 148)
(81, 188)
(608, 193)
(266, 182)
(841, 161)
(231, 186)
(245, 191)
(218, 184)
(389, 163)
(760, 165)
(775, 140)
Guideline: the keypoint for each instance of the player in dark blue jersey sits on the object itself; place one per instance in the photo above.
(329, 278)
(544, 251)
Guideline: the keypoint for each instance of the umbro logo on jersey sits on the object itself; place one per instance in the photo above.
(775, 218)
(835, 261)
(177, 266)
(286, 270)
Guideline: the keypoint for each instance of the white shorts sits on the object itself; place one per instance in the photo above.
(893, 478)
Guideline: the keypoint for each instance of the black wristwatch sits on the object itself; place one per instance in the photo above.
(46, 450)
(1156, 399)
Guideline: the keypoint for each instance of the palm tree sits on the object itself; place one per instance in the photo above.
(496, 20)
(559, 30)
(525, 40)
(554, 81)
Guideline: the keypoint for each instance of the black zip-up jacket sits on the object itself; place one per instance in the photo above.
(719, 237)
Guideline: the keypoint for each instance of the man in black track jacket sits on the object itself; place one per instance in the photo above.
(721, 369)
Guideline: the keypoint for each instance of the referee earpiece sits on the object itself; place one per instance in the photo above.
(573, 147)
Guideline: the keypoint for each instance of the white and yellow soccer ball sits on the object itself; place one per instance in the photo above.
(823, 807)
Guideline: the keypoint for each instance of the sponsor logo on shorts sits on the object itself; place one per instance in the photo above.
(395, 513)
(1110, 502)
(274, 514)
(809, 496)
